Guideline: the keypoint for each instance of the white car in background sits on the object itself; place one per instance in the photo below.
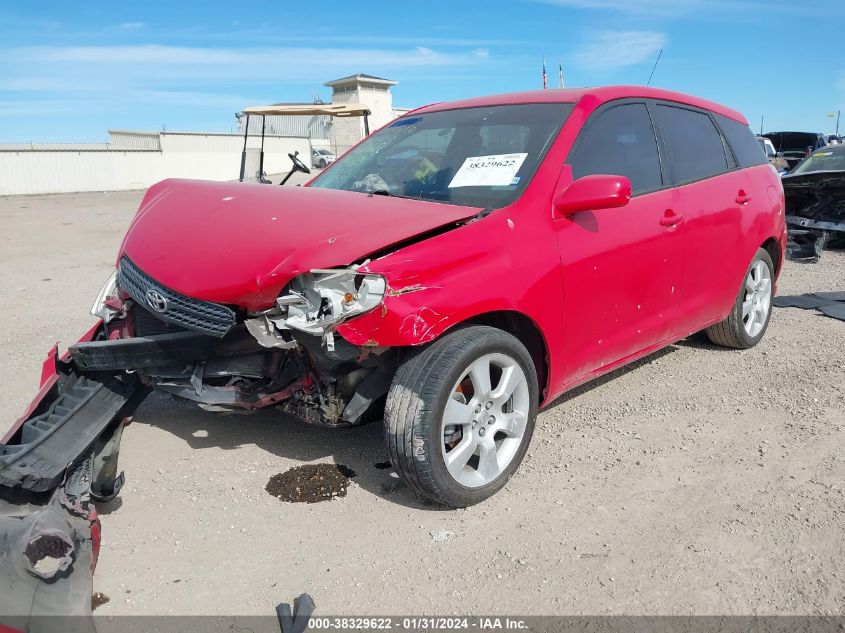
(321, 158)
(777, 162)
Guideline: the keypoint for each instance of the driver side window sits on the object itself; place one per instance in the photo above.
(619, 141)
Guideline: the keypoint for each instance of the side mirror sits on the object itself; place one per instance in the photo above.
(590, 193)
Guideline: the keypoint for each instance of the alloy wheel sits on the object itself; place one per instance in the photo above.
(485, 419)
(758, 298)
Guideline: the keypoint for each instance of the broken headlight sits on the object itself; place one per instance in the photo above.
(318, 300)
(102, 309)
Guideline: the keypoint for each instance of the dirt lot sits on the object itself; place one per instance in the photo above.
(699, 481)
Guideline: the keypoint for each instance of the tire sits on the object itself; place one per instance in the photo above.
(742, 331)
(437, 376)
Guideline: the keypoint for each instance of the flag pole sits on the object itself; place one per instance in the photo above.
(545, 77)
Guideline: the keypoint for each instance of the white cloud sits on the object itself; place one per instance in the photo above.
(131, 26)
(173, 72)
(263, 61)
(609, 50)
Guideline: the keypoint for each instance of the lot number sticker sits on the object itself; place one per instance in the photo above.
(488, 171)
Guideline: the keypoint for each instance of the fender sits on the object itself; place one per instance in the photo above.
(478, 268)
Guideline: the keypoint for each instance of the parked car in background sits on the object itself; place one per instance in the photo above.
(768, 148)
(829, 158)
(452, 273)
(321, 158)
(832, 139)
(795, 146)
(815, 203)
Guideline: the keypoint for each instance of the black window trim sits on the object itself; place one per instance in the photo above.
(730, 160)
(615, 103)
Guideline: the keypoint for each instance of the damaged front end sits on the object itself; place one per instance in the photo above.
(815, 212)
(61, 456)
(227, 359)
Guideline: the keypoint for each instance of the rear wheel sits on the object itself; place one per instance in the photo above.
(460, 414)
(749, 318)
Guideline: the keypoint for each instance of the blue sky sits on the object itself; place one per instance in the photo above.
(71, 70)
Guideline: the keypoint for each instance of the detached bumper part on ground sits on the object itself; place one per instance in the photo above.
(55, 462)
(50, 552)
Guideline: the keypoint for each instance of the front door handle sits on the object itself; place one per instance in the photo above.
(742, 197)
(670, 218)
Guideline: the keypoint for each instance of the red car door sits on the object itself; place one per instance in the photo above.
(622, 268)
(713, 196)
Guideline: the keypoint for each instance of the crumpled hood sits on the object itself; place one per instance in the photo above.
(240, 243)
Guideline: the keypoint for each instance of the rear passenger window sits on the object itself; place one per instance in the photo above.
(695, 148)
(744, 144)
(619, 141)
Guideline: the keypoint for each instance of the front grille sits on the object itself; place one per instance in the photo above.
(147, 324)
(192, 314)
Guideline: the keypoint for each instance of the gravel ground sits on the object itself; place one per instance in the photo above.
(697, 481)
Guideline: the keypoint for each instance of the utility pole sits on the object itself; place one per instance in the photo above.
(761, 125)
(836, 114)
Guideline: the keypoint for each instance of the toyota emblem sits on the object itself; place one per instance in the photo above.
(156, 301)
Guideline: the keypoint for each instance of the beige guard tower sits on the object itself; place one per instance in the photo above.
(374, 92)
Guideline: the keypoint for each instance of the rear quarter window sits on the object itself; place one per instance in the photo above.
(744, 144)
(694, 144)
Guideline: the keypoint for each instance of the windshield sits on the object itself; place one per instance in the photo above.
(479, 157)
(828, 159)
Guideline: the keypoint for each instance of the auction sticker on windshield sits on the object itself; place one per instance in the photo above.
(488, 171)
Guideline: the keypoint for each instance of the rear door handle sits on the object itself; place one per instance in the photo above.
(670, 218)
(742, 197)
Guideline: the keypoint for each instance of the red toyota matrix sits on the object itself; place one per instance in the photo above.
(451, 274)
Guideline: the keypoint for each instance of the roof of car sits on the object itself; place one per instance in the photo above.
(573, 95)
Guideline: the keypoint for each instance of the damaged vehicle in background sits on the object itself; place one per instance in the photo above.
(794, 147)
(453, 272)
(815, 203)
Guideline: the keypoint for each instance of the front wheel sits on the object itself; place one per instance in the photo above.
(749, 318)
(460, 414)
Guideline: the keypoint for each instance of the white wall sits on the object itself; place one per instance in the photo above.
(206, 156)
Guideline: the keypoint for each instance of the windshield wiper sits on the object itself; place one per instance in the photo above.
(390, 194)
